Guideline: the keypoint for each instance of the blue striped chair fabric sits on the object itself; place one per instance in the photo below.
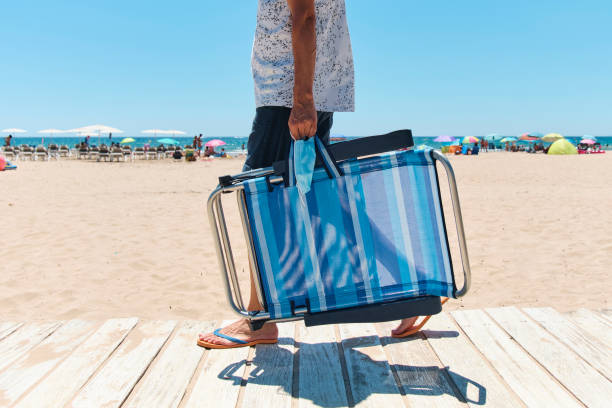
(374, 234)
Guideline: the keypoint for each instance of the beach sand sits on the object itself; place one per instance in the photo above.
(100, 240)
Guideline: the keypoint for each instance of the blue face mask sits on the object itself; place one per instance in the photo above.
(304, 157)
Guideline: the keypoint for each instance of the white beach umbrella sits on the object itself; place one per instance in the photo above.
(14, 130)
(156, 132)
(95, 129)
(175, 132)
(50, 132)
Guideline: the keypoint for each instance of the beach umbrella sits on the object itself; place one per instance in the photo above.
(589, 137)
(470, 139)
(508, 140)
(127, 140)
(588, 141)
(215, 143)
(529, 138)
(175, 132)
(14, 130)
(51, 132)
(155, 132)
(551, 137)
(168, 141)
(535, 134)
(444, 139)
(95, 130)
(562, 146)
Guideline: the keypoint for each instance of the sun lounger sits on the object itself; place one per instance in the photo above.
(368, 243)
(103, 153)
(127, 153)
(9, 152)
(139, 152)
(41, 153)
(26, 152)
(170, 151)
(94, 152)
(63, 151)
(53, 151)
(151, 153)
(83, 151)
(116, 153)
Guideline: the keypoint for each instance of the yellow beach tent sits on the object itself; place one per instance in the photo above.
(562, 146)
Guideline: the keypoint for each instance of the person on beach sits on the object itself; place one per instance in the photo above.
(7, 140)
(303, 71)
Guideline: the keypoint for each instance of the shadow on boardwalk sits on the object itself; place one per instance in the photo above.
(367, 378)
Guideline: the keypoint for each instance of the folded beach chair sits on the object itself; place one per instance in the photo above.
(368, 243)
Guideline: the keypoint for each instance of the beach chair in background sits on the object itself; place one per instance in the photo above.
(127, 153)
(63, 151)
(116, 153)
(41, 152)
(368, 243)
(9, 152)
(26, 152)
(94, 152)
(139, 152)
(83, 151)
(151, 153)
(103, 153)
(53, 151)
(170, 151)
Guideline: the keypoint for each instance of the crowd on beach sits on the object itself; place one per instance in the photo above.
(115, 151)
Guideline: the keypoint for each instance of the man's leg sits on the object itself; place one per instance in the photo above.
(269, 141)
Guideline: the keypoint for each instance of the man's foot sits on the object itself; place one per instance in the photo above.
(239, 330)
(405, 324)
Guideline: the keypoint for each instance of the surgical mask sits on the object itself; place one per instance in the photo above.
(304, 157)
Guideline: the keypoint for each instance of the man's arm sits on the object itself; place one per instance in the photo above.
(303, 118)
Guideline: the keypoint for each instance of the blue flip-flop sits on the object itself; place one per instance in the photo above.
(237, 342)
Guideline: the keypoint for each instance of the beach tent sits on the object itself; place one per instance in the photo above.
(562, 146)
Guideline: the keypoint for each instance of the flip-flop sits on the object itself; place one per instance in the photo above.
(415, 329)
(237, 342)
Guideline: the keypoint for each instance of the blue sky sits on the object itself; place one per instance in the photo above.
(437, 67)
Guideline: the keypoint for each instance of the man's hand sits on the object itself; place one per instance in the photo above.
(303, 118)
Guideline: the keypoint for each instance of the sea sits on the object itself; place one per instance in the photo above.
(234, 144)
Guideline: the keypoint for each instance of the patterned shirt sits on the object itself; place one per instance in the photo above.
(272, 59)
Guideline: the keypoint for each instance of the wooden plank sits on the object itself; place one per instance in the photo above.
(270, 380)
(59, 388)
(42, 359)
(593, 324)
(574, 373)
(321, 382)
(23, 340)
(111, 385)
(221, 376)
(7, 328)
(591, 349)
(479, 384)
(526, 378)
(166, 380)
(370, 377)
(421, 375)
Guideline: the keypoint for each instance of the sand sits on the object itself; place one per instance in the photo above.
(99, 240)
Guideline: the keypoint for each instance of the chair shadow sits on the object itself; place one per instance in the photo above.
(267, 369)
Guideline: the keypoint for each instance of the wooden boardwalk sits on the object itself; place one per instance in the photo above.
(502, 357)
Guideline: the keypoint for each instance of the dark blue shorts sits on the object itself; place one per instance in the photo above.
(270, 139)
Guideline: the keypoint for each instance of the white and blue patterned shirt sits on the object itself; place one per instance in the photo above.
(272, 59)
